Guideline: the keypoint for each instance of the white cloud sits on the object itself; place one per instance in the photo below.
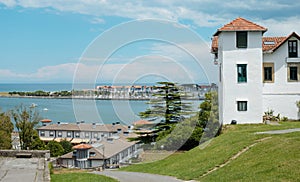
(60, 73)
(204, 13)
(282, 27)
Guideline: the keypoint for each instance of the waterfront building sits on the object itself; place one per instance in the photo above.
(111, 152)
(82, 132)
(256, 73)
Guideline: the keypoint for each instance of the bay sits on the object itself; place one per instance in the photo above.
(70, 111)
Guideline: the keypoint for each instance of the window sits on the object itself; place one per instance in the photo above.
(242, 72)
(242, 105)
(241, 39)
(92, 154)
(293, 48)
(77, 135)
(95, 135)
(59, 134)
(69, 134)
(87, 135)
(268, 72)
(293, 72)
(51, 133)
(42, 133)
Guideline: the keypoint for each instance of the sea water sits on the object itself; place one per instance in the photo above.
(71, 111)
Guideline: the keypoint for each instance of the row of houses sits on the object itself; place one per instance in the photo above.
(95, 145)
(194, 91)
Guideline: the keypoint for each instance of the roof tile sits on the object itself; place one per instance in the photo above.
(241, 24)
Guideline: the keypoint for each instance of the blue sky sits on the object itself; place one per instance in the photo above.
(47, 41)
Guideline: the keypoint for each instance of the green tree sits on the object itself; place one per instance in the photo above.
(185, 136)
(6, 128)
(67, 146)
(37, 143)
(55, 148)
(26, 118)
(169, 106)
(209, 116)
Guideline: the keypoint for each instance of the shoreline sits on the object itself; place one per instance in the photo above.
(6, 95)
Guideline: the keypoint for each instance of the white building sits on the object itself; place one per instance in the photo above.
(256, 73)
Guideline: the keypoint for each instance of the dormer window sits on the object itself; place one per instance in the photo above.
(241, 39)
(293, 48)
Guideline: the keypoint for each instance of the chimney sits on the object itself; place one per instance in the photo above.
(117, 122)
(82, 121)
(94, 125)
(78, 122)
(58, 122)
(119, 130)
(113, 124)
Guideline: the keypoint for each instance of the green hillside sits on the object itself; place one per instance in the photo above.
(237, 155)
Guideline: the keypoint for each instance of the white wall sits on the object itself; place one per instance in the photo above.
(232, 91)
(285, 105)
(281, 96)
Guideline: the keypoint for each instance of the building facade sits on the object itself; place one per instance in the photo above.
(81, 132)
(256, 73)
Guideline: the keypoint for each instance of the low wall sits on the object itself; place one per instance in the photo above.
(34, 153)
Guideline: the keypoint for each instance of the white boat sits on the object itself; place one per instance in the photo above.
(33, 105)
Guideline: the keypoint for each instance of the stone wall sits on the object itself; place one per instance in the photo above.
(34, 153)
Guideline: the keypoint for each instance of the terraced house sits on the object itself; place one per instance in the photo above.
(256, 73)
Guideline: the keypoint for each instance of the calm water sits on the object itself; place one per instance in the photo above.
(68, 110)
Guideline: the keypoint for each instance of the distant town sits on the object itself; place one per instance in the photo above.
(125, 92)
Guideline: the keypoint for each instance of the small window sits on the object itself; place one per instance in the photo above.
(293, 72)
(242, 73)
(95, 135)
(51, 133)
(59, 134)
(77, 135)
(69, 134)
(268, 72)
(242, 105)
(87, 135)
(293, 48)
(241, 39)
(42, 133)
(92, 154)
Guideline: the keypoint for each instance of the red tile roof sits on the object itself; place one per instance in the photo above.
(142, 122)
(241, 24)
(268, 43)
(46, 120)
(82, 146)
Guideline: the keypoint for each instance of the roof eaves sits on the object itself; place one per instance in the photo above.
(287, 38)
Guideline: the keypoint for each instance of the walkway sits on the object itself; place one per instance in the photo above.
(279, 131)
(22, 169)
(124, 176)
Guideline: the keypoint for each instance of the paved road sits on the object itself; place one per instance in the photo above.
(123, 176)
(279, 131)
(22, 170)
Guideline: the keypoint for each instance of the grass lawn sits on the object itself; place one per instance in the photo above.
(274, 159)
(65, 175)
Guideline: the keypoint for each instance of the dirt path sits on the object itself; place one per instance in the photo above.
(234, 157)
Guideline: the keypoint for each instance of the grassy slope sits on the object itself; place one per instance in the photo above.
(277, 158)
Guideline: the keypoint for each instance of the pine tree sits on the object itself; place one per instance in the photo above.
(167, 105)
